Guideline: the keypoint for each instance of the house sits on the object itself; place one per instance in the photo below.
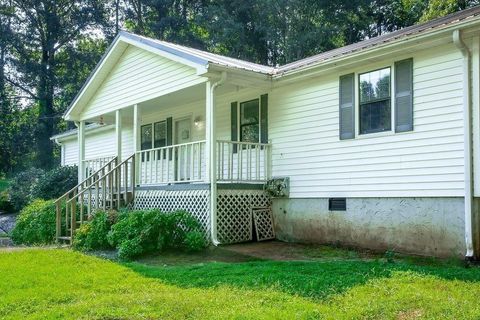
(374, 145)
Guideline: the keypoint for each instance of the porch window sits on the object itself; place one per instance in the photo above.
(146, 136)
(375, 101)
(249, 121)
(160, 134)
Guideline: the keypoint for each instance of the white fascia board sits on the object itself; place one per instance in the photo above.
(173, 54)
(68, 114)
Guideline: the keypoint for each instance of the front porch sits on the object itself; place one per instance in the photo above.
(175, 152)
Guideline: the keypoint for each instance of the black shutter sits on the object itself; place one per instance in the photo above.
(404, 95)
(234, 123)
(347, 106)
(264, 118)
(170, 134)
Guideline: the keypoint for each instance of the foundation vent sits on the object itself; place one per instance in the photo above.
(337, 204)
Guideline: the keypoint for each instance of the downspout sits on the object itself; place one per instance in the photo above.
(212, 157)
(467, 141)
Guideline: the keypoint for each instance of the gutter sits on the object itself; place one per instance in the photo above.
(467, 141)
(212, 157)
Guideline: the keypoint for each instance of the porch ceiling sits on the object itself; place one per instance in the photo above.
(170, 100)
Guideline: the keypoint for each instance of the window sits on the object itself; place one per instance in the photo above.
(249, 121)
(146, 136)
(160, 134)
(375, 101)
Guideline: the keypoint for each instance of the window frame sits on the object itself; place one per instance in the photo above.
(239, 120)
(141, 136)
(357, 73)
(391, 98)
(154, 131)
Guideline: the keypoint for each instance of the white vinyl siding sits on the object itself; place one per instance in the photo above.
(139, 76)
(98, 143)
(303, 126)
(428, 161)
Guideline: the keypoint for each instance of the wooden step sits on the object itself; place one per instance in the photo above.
(69, 239)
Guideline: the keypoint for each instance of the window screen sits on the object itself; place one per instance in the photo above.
(375, 101)
(146, 137)
(249, 121)
(160, 134)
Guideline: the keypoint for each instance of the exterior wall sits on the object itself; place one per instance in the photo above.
(304, 129)
(98, 143)
(139, 76)
(426, 226)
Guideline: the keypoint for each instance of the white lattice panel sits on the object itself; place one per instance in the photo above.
(234, 213)
(196, 202)
(263, 220)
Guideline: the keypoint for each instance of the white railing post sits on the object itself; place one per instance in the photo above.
(81, 151)
(118, 134)
(136, 140)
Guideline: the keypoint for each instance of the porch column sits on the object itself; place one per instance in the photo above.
(118, 134)
(81, 151)
(211, 156)
(136, 139)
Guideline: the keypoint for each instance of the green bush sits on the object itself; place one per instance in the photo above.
(139, 232)
(92, 235)
(37, 184)
(56, 182)
(22, 186)
(5, 204)
(35, 224)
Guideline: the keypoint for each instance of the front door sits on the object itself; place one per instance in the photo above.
(183, 134)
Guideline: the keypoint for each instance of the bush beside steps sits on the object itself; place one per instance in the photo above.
(134, 233)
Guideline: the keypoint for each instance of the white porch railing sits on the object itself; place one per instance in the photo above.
(94, 164)
(172, 164)
(243, 161)
(186, 163)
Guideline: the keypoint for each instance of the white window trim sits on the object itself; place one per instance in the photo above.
(239, 120)
(390, 132)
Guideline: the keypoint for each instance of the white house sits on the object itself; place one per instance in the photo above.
(379, 140)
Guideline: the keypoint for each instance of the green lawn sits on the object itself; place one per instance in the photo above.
(58, 284)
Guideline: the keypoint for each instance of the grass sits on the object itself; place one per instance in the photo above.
(57, 284)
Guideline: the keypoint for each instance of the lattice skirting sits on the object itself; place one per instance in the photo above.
(234, 209)
(194, 201)
(234, 213)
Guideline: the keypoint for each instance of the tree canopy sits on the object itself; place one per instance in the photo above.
(48, 47)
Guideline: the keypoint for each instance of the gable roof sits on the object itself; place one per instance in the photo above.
(202, 60)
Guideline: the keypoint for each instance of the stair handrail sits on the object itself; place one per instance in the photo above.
(99, 179)
(85, 180)
(71, 203)
(74, 190)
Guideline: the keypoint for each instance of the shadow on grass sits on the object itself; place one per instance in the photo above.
(311, 279)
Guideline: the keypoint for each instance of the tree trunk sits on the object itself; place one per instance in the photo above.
(46, 112)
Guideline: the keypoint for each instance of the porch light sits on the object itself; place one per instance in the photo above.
(101, 121)
(197, 121)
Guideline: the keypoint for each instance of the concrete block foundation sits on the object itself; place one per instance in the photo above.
(424, 226)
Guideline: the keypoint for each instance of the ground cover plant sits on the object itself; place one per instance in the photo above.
(39, 284)
(138, 232)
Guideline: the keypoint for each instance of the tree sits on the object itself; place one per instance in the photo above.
(42, 29)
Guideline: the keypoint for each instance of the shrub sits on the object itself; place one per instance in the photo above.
(139, 232)
(56, 182)
(5, 204)
(22, 186)
(35, 224)
(92, 235)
